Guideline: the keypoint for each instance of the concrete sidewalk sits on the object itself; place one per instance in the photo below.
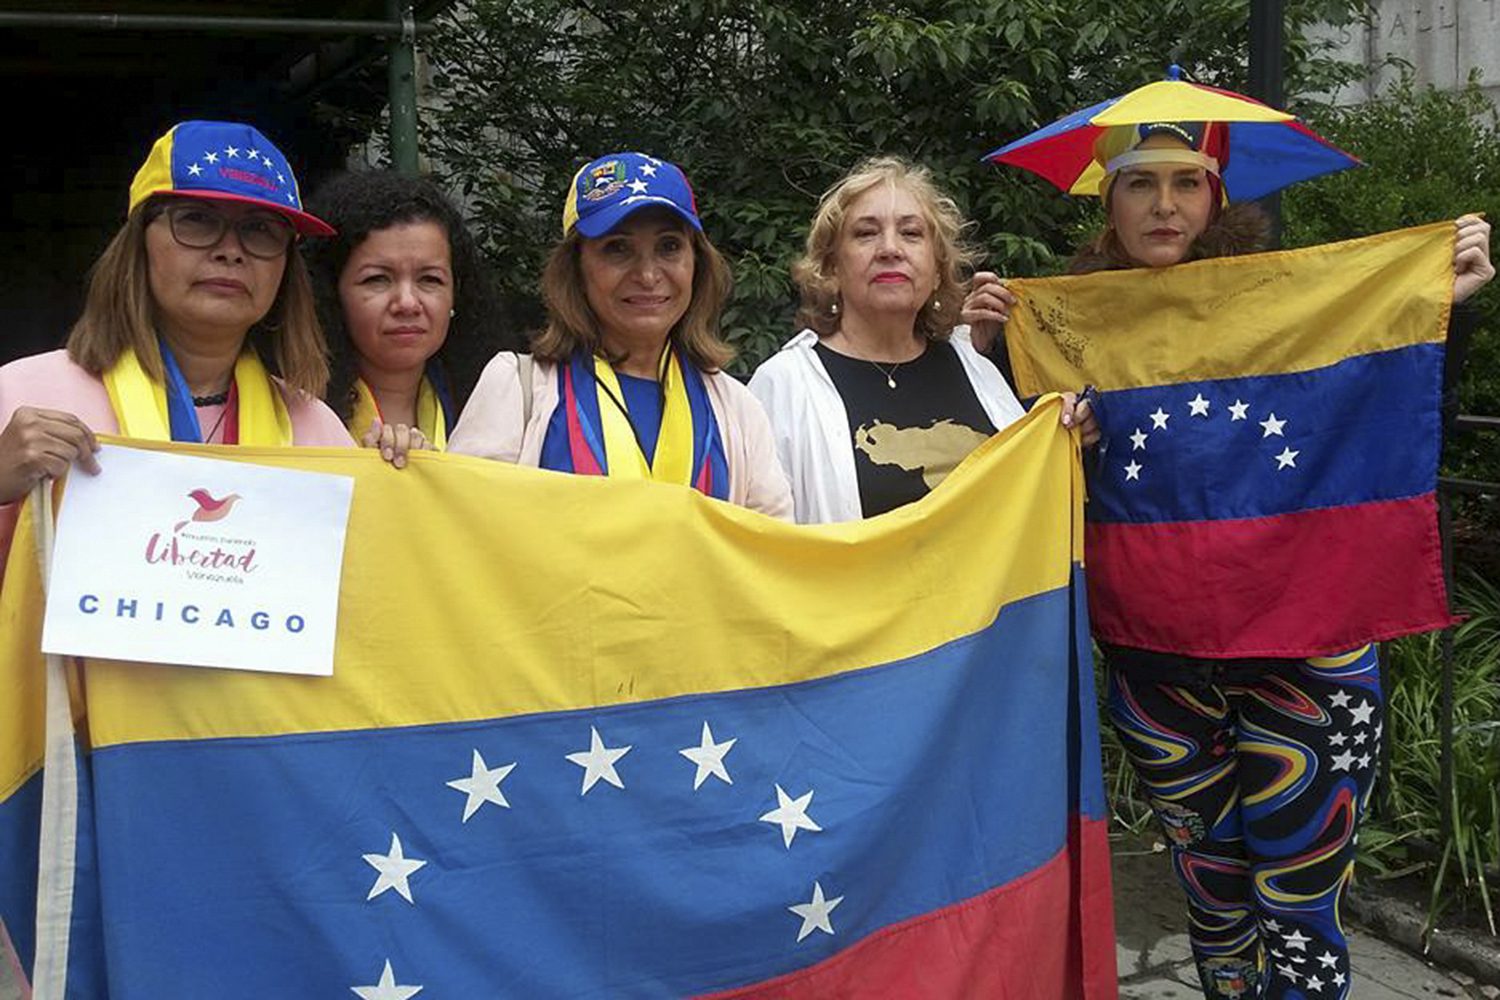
(1156, 964)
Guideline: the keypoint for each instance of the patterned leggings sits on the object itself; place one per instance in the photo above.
(1258, 778)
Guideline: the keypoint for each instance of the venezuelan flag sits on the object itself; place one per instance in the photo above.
(1266, 482)
(621, 740)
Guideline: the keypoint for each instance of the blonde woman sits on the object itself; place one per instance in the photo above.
(878, 398)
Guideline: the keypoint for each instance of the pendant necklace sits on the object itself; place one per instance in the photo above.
(889, 373)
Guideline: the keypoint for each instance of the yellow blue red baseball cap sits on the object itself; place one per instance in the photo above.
(224, 161)
(607, 190)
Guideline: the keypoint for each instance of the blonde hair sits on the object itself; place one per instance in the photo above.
(814, 273)
(119, 314)
(572, 325)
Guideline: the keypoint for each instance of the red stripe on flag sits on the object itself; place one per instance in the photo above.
(1049, 933)
(1293, 585)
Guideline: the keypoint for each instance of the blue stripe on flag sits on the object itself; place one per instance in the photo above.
(1271, 444)
(934, 779)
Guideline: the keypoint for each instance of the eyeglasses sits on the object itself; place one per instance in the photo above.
(262, 234)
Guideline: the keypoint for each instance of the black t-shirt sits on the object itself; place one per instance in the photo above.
(907, 438)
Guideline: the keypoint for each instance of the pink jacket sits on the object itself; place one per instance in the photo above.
(53, 382)
(493, 425)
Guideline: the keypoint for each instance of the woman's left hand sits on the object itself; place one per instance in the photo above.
(1472, 269)
(394, 441)
(1078, 413)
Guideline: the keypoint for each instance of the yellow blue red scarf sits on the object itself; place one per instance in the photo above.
(156, 411)
(590, 432)
(432, 411)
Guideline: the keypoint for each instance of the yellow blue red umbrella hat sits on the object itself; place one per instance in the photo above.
(1258, 149)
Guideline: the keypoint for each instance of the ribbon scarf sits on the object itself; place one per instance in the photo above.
(590, 432)
(255, 413)
(434, 406)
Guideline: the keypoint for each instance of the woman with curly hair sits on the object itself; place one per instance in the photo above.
(408, 314)
(879, 397)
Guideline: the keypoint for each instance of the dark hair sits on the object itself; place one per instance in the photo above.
(362, 202)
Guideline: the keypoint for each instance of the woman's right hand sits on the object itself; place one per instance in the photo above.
(40, 444)
(987, 309)
(394, 441)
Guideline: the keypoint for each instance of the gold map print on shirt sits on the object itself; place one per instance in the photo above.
(934, 450)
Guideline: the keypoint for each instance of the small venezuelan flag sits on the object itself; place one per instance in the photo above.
(1266, 481)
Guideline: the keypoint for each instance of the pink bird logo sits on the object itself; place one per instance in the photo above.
(209, 508)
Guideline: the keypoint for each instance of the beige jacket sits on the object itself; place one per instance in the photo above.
(494, 425)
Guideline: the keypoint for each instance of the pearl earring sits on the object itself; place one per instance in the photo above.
(834, 308)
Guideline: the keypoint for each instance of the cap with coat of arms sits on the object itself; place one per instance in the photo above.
(224, 161)
(609, 189)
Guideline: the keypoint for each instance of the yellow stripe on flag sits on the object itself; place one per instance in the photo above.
(1210, 319)
(552, 609)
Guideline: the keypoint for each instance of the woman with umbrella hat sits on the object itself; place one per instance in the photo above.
(1240, 758)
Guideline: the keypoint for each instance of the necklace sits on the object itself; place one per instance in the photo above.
(889, 373)
(209, 437)
(217, 399)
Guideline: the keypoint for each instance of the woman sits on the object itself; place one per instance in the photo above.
(879, 398)
(625, 379)
(404, 306)
(1264, 861)
(199, 298)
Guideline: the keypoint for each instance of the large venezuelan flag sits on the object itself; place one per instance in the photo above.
(592, 738)
(1266, 481)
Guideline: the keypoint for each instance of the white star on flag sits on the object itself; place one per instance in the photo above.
(267, 161)
(1289, 971)
(1340, 700)
(637, 185)
(194, 170)
(598, 761)
(291, 199)
(1198, 406)
(1359, 739)
(280, 179)
(1133, 470)
(1272, 926)
(394, 868)
(1296, 939)
(648, 170)
(231, 152)
(1314, 983)
(1288, 457)
(482, 785)
(1138, 440)
(814, 914)
(709, 756)
(253, 154)
(386, 989)
(1159, 419)
(1343, 761)
(1338, 739)
(1329, 960)
(211, 157)
(1362, 713)
(1364, 760)
(1338, 979)
(1237, 410)
(791, 815)
(1272, 426)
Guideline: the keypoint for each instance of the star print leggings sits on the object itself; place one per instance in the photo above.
(1258, 773)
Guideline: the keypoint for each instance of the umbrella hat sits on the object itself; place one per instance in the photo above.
(1265, 149)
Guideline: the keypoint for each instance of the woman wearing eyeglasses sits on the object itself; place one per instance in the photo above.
(198, 325)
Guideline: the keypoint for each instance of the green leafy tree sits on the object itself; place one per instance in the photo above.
(767, 102)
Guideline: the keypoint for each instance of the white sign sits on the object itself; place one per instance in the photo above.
(170, 558)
